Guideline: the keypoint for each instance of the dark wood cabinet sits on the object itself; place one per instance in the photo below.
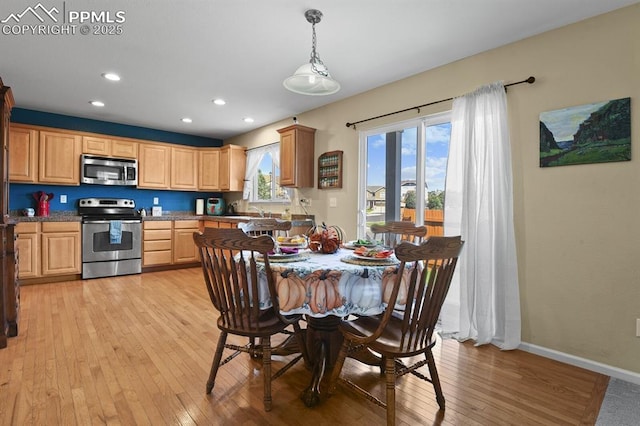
(9, 286)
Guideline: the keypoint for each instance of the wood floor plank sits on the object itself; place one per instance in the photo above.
(137, 350)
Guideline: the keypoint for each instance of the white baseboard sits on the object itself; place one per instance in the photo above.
(618, 373)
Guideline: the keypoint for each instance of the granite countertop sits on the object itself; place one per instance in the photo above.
(72, 216)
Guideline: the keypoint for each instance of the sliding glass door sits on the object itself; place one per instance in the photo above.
(402, 172)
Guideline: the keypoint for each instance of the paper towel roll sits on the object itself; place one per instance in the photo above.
(200, 206)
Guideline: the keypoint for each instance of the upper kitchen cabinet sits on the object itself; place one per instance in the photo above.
(23, 154)
(44, 156)
(106, 147)
(184, 168)
(296, 156)
(59, 158)
(154, 166)
(209, 169)
(233, 160)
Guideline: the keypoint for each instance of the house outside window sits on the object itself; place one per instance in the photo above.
(267, 182)
(403, 166)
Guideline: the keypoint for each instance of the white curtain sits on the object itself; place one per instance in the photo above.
(479, 206)
(254, 157)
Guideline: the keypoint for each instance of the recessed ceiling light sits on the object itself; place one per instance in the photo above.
(187, 120)
(219, 101)
(111, 76)
(97, 103)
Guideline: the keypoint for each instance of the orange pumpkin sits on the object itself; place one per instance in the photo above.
(325, 239)
(389, 276)
(324, 293)
(291, 290)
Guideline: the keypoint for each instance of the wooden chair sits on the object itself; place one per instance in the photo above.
(405, 333)
(269, 226)
(228, 258)
(393, 233)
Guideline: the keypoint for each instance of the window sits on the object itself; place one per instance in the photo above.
(402, 173)
(267, 182)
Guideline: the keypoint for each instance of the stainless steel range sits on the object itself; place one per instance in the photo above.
(111, 237)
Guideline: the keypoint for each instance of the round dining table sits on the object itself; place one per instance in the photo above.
(326, 288)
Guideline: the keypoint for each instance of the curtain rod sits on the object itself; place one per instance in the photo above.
(529, 80)
(262, 146)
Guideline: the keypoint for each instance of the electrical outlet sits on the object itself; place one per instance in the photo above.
(333, 202)
(638, 327)
(63, 199)
(156, 201)
(305, 202)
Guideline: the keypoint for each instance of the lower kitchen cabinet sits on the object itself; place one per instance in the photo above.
(184, 248)
(28, 249)
(167, 242)
(48, 249)
(61, 248)
(156, 242)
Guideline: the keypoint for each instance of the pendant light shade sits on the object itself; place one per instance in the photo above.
(312, 78)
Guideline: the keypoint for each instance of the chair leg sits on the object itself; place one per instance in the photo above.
(435, 380)
(266, 367)
(216, 361)
(390, 374)
(337, 367)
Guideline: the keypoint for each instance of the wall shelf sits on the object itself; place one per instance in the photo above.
(330, 170)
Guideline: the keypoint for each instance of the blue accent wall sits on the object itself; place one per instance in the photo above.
(39, 118)
(21, 195)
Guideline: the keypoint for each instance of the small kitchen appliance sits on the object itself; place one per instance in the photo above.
(216, 206)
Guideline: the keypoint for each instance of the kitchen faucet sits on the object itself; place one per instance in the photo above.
(259, 210)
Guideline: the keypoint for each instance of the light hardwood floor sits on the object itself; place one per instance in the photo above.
(137, 350)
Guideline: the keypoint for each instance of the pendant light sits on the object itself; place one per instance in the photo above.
(312, 78)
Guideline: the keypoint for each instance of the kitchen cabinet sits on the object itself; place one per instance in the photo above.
(29, 249)
(106, 147)
(23, 154)
(222, 169)
(61, 252)
(59, 157)
(209, 169)
(156, 243)
(48, 249)
(184, 248)
(154, 166)
(296, 156)
(184, 168)
(40, 155)
(233, 160)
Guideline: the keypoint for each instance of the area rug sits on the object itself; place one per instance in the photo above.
(621, 404)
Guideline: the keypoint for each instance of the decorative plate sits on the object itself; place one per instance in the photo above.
(370, 257)
(370, 261)
(369, 244)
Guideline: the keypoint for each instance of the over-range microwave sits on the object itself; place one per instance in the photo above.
(108, 171)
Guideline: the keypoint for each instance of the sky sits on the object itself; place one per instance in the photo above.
(564, 123)
(436, 162)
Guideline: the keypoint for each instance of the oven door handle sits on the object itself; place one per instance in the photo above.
(109, 221)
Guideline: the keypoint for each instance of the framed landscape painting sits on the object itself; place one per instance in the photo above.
(592, 133)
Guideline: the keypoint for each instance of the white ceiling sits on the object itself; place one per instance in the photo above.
(175, 57)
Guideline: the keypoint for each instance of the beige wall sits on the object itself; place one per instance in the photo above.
(577, 227)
